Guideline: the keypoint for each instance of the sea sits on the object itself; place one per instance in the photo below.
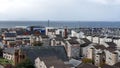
(71, 24)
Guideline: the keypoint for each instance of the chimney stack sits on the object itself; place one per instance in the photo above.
(16, 55)
(65, 32)
(21, 56)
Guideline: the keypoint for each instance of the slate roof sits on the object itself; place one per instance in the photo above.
(95, 35)
(9, 50)
(73, 41)
(73, 38)
(45, 51)
(107, 66)
(53, 61)
(51, 30)
(117, 65)
(116, 38)
(87, 65)
(19, 32)
(110, 37)
(111, 44)
(36, 26)
(85, 44)
(102, 36)
(102, 47)
(59, 39)
(10, 34)
(58, 35)
(86, 40)
(111, 49)
(44, 36)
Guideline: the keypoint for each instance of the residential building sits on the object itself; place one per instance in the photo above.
(14, 55)
(9, 38)
(49, 62)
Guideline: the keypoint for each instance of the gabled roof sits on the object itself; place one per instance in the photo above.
(110, 37)
(36, 26)
(116, 38)
(19, 32)
(51, 30)
(102, 36)
(59, 38)
(73, 41)
(73, 38)
(86, 40)
(102, 47)
(58, 35)
(87, 65)
(45, 51)
(44, 36)
(107, 66)
(111, 44)
(117, 65)
(9, 50)
(85, 44)
(10, 34)
(53, 61)
(111, 49)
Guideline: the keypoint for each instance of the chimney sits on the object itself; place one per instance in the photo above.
(65, 32)
(16, 55)
(21, 56)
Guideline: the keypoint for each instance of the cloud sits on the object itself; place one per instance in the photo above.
(34, 9)
(6, 5)
(59, 9)
(106, 2)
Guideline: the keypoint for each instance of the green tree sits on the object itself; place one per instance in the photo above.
(37, 44)
(86, 60)
(102, 64)
(25, 64)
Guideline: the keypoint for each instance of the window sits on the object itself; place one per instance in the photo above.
(110, 58)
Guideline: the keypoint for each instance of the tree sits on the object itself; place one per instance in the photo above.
(86, 60)
(102, 64)
(37, 44)
(1, 52)
(25, 64)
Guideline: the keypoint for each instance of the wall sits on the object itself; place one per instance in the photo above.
(39, 63)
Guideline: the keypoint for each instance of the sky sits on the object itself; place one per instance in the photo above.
(62, 10)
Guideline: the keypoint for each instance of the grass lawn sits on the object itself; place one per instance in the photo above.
(5, 61)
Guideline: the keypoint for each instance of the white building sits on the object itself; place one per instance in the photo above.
(49, 62)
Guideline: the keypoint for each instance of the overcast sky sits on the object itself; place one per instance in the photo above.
(78, 10)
